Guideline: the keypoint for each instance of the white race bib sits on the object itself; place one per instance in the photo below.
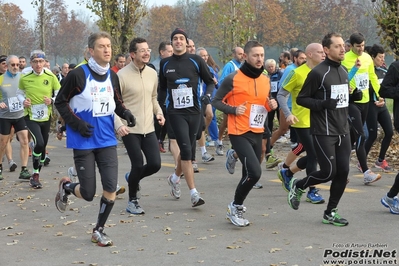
(341, 93)
(273, 86)
(182, 97)
(257, 116)
(362, 81)
(101, 104)
(14, 105)
(39, 112)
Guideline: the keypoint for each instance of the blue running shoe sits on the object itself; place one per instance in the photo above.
(127, 176)
(314, 197)
(282, 175)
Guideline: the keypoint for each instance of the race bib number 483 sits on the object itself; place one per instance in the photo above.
(257, 116)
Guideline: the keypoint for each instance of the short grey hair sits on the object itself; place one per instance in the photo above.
(270, 62)
(11, 57)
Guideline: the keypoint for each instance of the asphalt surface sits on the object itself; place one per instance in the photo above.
(33, 232)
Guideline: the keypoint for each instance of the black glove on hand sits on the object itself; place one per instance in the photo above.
(85, 129)
(330, 104)
(130, 119)
(356, 95)
(205, 99)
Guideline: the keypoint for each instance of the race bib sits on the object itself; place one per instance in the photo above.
(39, 112)
(101, 104)
(257, 116)
(341, 93)
(362, 81)
(14, 105)
(182, 97)
(273, 86)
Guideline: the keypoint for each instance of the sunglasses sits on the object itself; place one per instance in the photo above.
(14, 65)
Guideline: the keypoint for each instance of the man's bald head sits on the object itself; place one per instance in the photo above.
(315, 53)
(238, 54)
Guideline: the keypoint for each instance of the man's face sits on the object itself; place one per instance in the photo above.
(13, 65)
(318, 55)
(142, 55)
(120, 63)
(358, 48)
(22, 63)
(65, 69)
(239, 54)
(179, 44)
(336, 51)
(301, 59)
(190, 47)
(167, 52)
(37, 64)
(3, 67)
(255, 57)
(102, 51)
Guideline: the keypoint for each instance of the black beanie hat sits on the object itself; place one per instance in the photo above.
(179, 31)
(3, 58)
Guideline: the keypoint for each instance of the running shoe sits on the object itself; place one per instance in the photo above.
(334, 218)
(13, 166)
(219, 150)
(196, 200)
(230, 161)
(175, 188)
(61, 198)
(206, 157)
(100, 238)
(34, 181)
(295, 194)
(258, 186)
(391, 203)
(195, 167)
(383, 165)
(282, 175)
(235, 213)
(46, 160)
(72, 176)
(120, 189)
(370, 177)
(314, 197)
(133, 207)
(25, 175)
(272, 161)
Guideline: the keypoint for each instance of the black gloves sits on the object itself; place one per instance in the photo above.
(131, 121)
(205, 99)
(85, 129)
(356, 95)
(330, 104)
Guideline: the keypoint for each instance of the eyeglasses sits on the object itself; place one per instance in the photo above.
(15, 65)
(38, 61)
(141, 51)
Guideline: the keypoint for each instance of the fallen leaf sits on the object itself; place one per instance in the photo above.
(233, 247)
(70, 222)
(48, 225)
(166, 228)
(78, 262)
(202, 238)
(309, 247)
(115, 252)
(172, 252)
(273, 250)
(140, 249)
(191, 248)
(59, 234)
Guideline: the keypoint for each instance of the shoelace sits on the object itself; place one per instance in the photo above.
(240, 212)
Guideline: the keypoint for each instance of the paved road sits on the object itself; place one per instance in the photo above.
(33, 232)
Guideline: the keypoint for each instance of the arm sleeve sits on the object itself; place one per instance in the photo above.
(163, 86)
(218, 101)
(306, 95)
(120, 107)
(375, 85)
(72, 86)
(282, 98)
(390, 84)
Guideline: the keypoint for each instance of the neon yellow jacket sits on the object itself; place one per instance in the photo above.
(363, 76)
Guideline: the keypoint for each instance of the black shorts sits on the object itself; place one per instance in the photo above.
(6, 124)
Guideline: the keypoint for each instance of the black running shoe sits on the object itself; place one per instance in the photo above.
(334, 218)
(34, 181)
